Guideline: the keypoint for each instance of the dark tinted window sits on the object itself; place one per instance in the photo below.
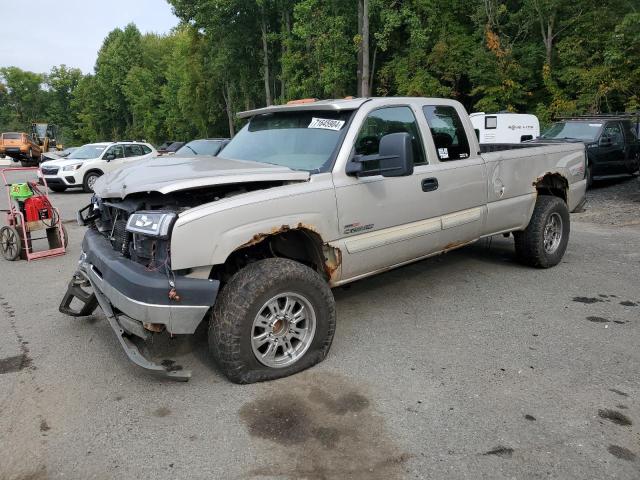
(12, 136)
(385, 121)
(200, 147)
(614, 132)
(447, 131)
(133, 151)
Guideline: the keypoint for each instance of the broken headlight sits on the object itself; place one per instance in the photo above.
(151, 223)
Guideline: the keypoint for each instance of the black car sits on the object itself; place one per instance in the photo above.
(169, 147)
(612, 143)
(204, 146)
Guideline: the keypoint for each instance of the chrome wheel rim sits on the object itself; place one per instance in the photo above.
(552, 233)
(91, 180)
(283, 330)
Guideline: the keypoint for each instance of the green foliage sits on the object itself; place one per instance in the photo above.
(548, 57)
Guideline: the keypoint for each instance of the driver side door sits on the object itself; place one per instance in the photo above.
(386, 221)
(611, 155)
(113, 158)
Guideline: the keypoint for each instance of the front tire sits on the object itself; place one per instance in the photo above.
(274, 318)
(89, 180)
(543, 243)
(589, 175)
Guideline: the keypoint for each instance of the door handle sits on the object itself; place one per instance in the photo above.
(429, 184)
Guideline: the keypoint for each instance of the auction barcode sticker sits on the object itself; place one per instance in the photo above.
(326, 123)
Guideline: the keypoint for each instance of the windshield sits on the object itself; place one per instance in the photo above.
(573, 130)
(298, 140)
(86, 151)
(200, 147)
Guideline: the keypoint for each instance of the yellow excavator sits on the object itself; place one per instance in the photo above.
(46, 136)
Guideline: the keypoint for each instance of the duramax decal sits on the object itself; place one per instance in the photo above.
(357, 227)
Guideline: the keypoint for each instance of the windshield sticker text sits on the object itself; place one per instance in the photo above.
(443, 153)
(326, 123)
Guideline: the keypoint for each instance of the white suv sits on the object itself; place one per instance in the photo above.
(84, 165)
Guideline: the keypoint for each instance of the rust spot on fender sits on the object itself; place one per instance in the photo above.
(333, 260)
(332, 255)
(259, 237)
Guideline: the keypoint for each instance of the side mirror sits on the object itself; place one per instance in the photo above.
(605, 141)
(394, 158)
(109, 156)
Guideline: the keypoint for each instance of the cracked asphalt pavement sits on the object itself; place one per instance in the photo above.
(464, 366)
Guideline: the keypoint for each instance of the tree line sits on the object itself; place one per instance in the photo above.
(547, 57)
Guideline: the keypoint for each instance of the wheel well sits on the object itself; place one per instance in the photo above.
(93, 170)
(300, 244)
(552, 184)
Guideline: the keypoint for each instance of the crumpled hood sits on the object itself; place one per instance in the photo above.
(170, 174)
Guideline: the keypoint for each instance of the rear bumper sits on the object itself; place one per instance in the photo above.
(143, 295)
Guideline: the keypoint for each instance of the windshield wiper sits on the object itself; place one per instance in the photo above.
(196, 153)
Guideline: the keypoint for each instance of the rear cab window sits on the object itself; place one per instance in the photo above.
(448, 132)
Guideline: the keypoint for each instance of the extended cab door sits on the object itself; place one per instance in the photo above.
(460, 171)
(385, 221)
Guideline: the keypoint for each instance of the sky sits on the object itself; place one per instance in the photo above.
(71, 32)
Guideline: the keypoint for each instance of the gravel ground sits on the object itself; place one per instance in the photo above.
(465, 366)
(615, 203)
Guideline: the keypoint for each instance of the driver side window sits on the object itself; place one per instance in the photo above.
(385, 121)
(117, 151)
(614, 132)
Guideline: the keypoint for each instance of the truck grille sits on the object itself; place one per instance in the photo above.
(49, 170)
(120, 239)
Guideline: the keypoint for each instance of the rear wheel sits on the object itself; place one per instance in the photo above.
(274, 318)
(589, 175)
(10, 243)
(543, 243)
(89, 180)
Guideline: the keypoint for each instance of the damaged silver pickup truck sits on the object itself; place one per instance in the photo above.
(307, 197)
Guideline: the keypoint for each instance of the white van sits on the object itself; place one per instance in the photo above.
(89, 162)
(505, 127)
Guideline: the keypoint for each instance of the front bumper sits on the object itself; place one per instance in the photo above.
(62, 181)
(131, 296)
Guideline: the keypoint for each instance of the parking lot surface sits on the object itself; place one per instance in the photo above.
(466, 366)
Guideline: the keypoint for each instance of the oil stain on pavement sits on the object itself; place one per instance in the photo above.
(587, 300)
(505, 452)
(621, 452)
(14, 364)
(326, 428)
(615, 417)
